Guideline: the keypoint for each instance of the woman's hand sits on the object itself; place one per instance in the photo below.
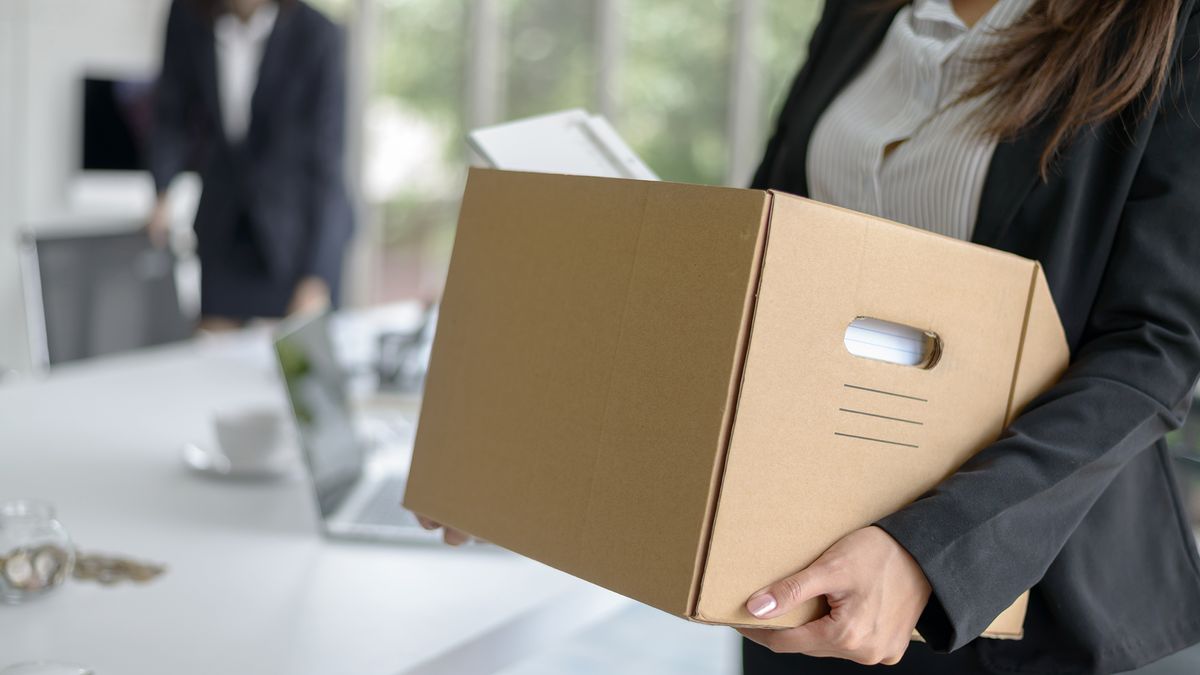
(158, 225)
(449, 534)
(311, 296)
(875, 590)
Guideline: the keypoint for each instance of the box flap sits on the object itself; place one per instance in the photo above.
(824, 441)
(586, 351)
(1010, 625)
(1044, 353)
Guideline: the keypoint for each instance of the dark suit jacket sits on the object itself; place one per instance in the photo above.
(287, 176)
(1077, 499)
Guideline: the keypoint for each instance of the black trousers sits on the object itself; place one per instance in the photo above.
(918, 660)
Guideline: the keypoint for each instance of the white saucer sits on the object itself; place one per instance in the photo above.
(213, 462)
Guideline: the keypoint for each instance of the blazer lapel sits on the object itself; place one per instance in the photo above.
(1012, 175)
(855, 41)
(208, 81)
(273, 68)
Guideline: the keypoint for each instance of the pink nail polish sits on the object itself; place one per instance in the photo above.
(761, 604)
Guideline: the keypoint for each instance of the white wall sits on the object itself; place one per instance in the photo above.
(13, 350)
(46, 46)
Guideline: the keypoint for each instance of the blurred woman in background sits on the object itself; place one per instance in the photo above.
(254, 92)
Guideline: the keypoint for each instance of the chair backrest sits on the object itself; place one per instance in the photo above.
(97, 294)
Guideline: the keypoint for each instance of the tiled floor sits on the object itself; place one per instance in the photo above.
(644, 641)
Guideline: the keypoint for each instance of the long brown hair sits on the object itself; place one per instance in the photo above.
(1083, 61)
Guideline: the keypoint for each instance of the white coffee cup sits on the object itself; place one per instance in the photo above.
(251, 439)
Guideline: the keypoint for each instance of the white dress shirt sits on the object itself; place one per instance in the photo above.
(894, 143)
(240, 46)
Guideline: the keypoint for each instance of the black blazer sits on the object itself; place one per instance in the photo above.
(1077, 500)
(287, 176)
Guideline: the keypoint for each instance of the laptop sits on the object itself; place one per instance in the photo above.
(358, 482)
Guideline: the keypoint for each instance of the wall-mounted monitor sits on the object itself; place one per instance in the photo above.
(117, 119)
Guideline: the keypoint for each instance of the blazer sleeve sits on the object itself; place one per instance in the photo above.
(993, 528)
(169, 142)
(331, 223)
(762, 176)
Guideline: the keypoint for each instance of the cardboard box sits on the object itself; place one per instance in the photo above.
(646, 385)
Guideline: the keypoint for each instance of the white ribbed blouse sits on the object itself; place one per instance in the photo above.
(239, 50)
(904, 99)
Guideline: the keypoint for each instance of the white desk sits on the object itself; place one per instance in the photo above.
(251, 588)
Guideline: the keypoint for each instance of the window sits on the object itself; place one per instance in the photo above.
(413, 154)
(693, 85)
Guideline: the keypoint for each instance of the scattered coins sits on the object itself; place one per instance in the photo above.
(31, 570)
(107, 570)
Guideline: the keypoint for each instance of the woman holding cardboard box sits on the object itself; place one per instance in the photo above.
(1062, 131)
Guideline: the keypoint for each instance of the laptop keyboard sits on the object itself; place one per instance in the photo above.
(384, 506)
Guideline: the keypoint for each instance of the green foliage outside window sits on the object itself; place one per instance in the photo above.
(672, 91)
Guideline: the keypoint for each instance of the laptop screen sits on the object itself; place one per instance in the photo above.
(316, 387)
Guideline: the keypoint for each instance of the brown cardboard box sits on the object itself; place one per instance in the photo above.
(645, 384)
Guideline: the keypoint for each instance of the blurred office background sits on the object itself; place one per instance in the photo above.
(691, 84)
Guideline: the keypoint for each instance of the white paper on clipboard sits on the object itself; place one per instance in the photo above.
(568, 142)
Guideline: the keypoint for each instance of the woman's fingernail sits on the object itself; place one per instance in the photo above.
(761, 604)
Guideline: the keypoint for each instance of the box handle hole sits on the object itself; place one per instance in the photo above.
(892, 343)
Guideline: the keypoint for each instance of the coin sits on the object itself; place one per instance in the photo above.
(19, 571)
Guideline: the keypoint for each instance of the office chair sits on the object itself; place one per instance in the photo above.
(94, 294)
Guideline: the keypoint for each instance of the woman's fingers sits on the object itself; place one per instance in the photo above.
(450, 535)
(848, 638)
(789, 593)
(454, 537)
(875, 591)
(813, 638)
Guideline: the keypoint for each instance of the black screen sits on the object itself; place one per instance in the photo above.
(116, 123)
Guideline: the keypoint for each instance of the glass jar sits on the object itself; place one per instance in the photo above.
(36, 554)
